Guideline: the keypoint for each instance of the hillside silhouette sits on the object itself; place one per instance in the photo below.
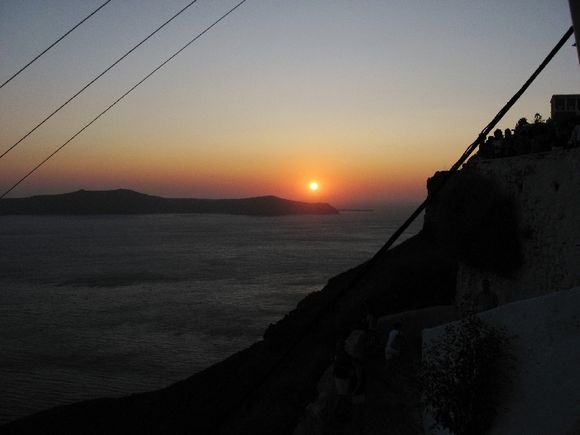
(123, 201)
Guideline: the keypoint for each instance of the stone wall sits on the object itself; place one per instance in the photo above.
(545, 190)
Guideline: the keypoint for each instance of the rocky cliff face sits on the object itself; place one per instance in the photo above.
(514, 221)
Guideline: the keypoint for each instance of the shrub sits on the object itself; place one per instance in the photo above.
(463, 374)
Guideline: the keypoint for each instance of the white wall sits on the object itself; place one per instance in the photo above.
(546, 191)
(545, 395)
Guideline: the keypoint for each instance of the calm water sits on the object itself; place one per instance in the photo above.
(107, 306)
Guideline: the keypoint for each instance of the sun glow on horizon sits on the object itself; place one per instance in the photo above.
(313, 186)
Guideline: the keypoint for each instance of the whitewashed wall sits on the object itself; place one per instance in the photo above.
(545, 395)
(546, 191)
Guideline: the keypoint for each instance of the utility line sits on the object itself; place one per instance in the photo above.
(471, 148)
(367, 266)
(199, 35)
(97, 78)
(54, 43)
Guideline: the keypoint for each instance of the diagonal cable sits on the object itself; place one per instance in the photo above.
(366, 267)
(54, 43)
(97, 78)
(471, 148)
(199, 35)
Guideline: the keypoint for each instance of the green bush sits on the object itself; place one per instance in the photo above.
(463, 374)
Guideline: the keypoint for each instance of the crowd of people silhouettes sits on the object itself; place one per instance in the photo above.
(535, 137)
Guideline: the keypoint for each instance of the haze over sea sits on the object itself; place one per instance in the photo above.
(110, 305)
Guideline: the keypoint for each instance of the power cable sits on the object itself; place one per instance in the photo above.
(54, 43)
(366, 267)
(478, 141)
(97, 78)
(199, 35)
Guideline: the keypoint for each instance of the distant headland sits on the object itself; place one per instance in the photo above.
(124, 201)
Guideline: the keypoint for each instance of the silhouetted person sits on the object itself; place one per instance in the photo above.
(522, 124)
(342, 370)
(486, 299)
(539, 137)
(371, 321)
(486, 148)
(356, 343)
(359, 393)
(574, 140)
(522, 142)
(359, 387)
(508, 143)
(497, 143)
(535, 144)
(393, 347)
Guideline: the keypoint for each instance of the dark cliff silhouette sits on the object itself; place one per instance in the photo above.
(122, 201)
(264, 388)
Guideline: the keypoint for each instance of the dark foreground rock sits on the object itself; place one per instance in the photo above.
(124, 201)
(264, 388)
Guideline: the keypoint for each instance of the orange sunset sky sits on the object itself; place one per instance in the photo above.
(368, 98)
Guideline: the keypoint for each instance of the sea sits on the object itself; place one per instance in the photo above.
(106, 306)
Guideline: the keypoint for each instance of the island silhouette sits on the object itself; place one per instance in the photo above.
(124, 201)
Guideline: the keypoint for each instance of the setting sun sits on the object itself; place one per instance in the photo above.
(313, 186)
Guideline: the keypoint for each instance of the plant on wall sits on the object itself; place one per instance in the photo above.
(463, 374)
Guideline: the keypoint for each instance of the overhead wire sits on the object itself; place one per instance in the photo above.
(53, 44)
(481, 137)
(199, 35)
(368, 265)
(110, 67)
(373, 261)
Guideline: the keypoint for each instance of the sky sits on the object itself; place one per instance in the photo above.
(368, 98)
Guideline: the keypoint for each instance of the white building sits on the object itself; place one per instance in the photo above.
(564, 107)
